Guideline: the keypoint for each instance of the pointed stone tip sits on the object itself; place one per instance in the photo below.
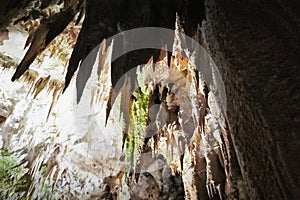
(66, 85)
(78, 99)
(67, 82)
(13, 78)
(106, 120)
(107, 116)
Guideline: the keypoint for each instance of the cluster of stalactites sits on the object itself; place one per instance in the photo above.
(179, 121)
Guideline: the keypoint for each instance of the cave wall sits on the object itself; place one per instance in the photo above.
(255, 44)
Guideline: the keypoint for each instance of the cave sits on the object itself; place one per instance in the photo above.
(182, 99)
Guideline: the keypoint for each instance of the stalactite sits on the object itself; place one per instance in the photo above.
(40, 85)
(30, 77)
(173, 133)
(56, 93)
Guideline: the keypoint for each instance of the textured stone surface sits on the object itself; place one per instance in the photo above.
(256, 46)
